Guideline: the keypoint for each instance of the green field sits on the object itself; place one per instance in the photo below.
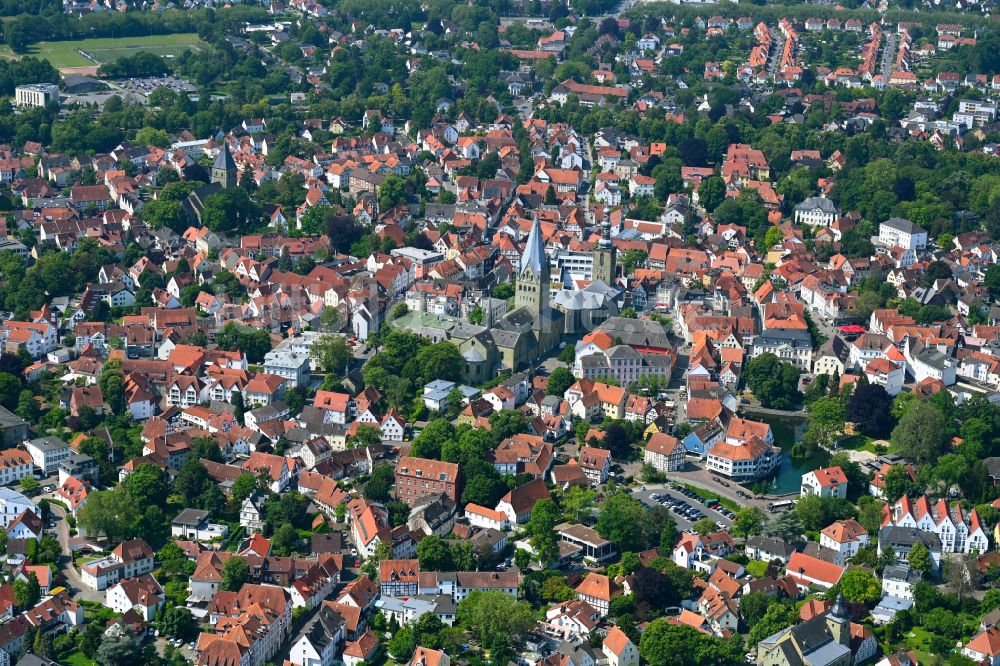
(107, 49)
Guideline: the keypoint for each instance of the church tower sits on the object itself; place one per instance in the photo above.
(533, 281)
(604, 257)
(224, 171)
(838, 621)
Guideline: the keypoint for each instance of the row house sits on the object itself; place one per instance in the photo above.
(960, 531)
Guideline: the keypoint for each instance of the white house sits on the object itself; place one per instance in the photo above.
(393, 427)
(619, 649)
(929, 362)
(664, 452)
(143, 594)
(886, 374)
(481, 516)
(984, 648)
(898, 580)
(15, 464)
(318, 642)
(826, 482)
(13, 504)
(816, 212)
(130, 559)
(47, 453)
(897, 232)
(846, 538)
(250, 512)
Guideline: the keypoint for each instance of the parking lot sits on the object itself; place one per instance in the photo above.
(685, 506)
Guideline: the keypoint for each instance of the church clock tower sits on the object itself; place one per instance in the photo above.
(604, 257)
(533, 279)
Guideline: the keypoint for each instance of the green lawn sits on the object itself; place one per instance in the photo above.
(76, 659)
(857, 443)
(107, 49)
(756, 568)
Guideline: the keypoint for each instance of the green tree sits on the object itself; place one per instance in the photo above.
(711, 193)
(494, 617)
(778, 616)
(380, 484)
(234, 574)
(816, 512)
(332, 352)
(10, 390)
(666, 644)
(621, 521)
(870, 407)
(27, 407)
(120, 650)
(383, 551)
(922, 434)
(434, 554)
(230, 209)
(178, 621)
(753, 607)
(897, 482)
(860, 586)
(402, 644)
(463, 556)
(239, 408)
(29, 484)
(27, 592)
(559, 380)
(285, 539)
(366, 435)
(919, 558)
(578, 502)
(147, 485)
(541, 526)
(773, 382)
(749, 521)
(165, 213)
(440, 361)
(704, 526)
(112, 513)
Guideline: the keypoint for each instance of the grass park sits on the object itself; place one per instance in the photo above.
(107, 49)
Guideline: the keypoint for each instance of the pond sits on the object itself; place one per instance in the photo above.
(788, 430)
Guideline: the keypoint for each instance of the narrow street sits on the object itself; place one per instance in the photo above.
(74, 582)
(888, 55)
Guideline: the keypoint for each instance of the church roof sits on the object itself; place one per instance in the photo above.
(224, 160)
(534, 250)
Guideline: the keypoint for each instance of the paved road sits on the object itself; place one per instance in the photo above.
(888, 55)
(73, 580)
(777, 45)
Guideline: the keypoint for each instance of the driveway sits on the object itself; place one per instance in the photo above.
(74, 582)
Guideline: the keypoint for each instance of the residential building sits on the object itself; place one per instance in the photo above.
(958, 530)
(845, 538)
(130, 559)
(420, 477)
(897, 232)
(825, 482)
(816, 212)
(15, 464)
(141, 594)
(664, 452)
(47, 453)
(598, 590)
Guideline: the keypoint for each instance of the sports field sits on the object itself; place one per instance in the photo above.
(107, 49)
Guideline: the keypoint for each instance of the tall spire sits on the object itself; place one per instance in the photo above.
(606, 232)
(534, 250)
